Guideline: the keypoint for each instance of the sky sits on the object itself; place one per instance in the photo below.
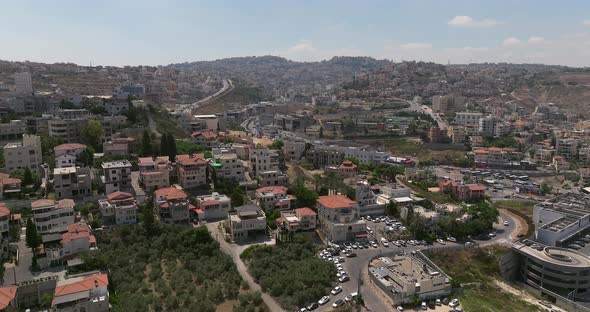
(149, 32)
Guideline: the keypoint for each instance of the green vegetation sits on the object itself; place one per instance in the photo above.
(502, 142)
(168, 268)
(401, 146)
(168, 146)
(480, 267)
(165, 122)
(290, 272)
(525, 207)
(187, 147)
(91, 134)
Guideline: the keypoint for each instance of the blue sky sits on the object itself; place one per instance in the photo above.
(109, 32)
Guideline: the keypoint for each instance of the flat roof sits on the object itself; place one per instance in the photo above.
(555, 255)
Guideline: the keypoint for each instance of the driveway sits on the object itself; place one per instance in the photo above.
(234, 252)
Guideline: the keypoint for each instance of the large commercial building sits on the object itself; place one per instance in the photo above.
(23, 155)
(448, 104)
(405, 277)
(555, 271)
(469, 120)
(561, 218)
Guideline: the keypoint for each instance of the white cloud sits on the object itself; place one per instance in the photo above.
(536, 39)
(305, 50)
(511, 42)
(586, 23)
(416, 45)
(469, 22)
(301, 47)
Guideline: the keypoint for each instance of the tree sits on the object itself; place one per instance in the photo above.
(164, 148)
(392, 209)
(92, 133)
(27, 177)
(277, 144)
(321, 134)
(33, 239)
(146, 144)
(87, 156)
(172, 147)
(546, 188)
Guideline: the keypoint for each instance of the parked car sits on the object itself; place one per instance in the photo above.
(506, 223)
(336, 290)
(303, 310)
(400, 309)
(452, 239)
(338, 303)
(324, 300)
(454, 303)
(344, 278)
(423, 306)
(351, 255)
(313, 306)
(351, 297)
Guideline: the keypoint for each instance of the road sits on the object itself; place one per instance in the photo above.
(227, 87)
(234, 252)
(415, 106)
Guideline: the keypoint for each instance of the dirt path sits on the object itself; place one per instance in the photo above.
(523, 295)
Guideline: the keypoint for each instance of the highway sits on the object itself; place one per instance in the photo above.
(227, 87)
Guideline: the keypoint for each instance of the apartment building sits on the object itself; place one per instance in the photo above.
(69, 148)
(72, 182)
(82, 293)
(213, 207)
(118, 208)
(24, 83)
(495, 157)
(263, 159)
(273, 177)
(339, 219)
(116, 176)
(65, 161)
(469, 120)
(75, 241)
(274, 197)
(322, 156)
(52, 218)
(301, 219)
(228, 166)
(567, 147)
(366, 199)
(246, 221)
(4, 231)
(456, 134)
(487, 126)
(66, 129)
(448, 104)
(192, 170)
(436, 135)
(12, 131)
(172, 205)
(293, 150)
(154, 173)
(8, 185)
(464, 192)
(26, 154)
(206, 139)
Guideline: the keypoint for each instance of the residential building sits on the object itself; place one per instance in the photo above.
(246, 221)
(8, 298)
(65, 161)
(69, 148)
(26, 154)
(273, 177)
(363, 155)
(67, 129)
(206, 139)
(116, 176)
(322, 156)
(274, 197)
(213, 207)
(301, 219)
(263, 159)
(4, 232)
(561, 218)
(118, 208)
(52, 218)
(567, 147)
(172, 205)
(366, 198)
(469, 120)
(553, 270)
(464, 192)
(192, 170)
(456, 134)
(487, 126)
(560, 163)
(75, 241)
(9, 186)
(82, 293)
(72, 182)
(408, 278)
(396, 193)
(339, 219)
(154, 173)
(584, 176)
(228, 166)
(12, 131)
(495, 157)
(584, 154)
(293, 150)
(24, 83)
(116, 107)
(448, 104)
(437, 135)
(111, 149)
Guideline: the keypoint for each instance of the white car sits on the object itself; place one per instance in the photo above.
(506, 223)
(324, 300)
(336, 290)
(385, 243)
(454, 303)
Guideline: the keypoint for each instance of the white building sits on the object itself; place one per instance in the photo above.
(52, 218)
(339, 219)
(274, 197)
(468, 119)
(213, 207)
(23, 82)
(65, 161)
(487, 126)
(247, 220)
(228, 166)
(561, 218)
(263, 159)
(273, 177)
(118, 208)
(116, 176)
(26, 154)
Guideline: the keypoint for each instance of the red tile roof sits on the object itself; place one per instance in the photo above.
(210, 202)
(76, 231)
(86, 284)
(4, 211)
(336, 201)
(69, 146)
(170, 193)
(476, 187)
(305, 212)
(7, 294)
(119, 196)
(116, 147)
(8, 181)
(274, 189)
(206, 134)
(198, 159)
(42, 203)
(66, 203)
